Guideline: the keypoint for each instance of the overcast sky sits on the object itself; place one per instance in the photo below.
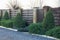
(27, 4)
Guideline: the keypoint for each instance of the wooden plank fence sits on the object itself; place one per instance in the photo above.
(34, 15)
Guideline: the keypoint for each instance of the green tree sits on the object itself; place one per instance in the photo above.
(0, 18)
(19, 22)
(48, 22)
(6, 16)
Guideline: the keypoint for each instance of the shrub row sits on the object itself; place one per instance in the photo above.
(55, 32)
(5, 20)
(48, 23)
(17, 22)
(36, 28)
(7, 23)
(0, 20)
(47, 27)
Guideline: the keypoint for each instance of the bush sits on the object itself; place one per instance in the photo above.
(55, 32)
(48, 22)
(7, 23)
(6, 16)
(23, 29)
(36, 28)
(0, 20)
(19, 22)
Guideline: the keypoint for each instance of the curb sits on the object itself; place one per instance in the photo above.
(46, 36)
(8, 28)
(42, 36)
(32, 34)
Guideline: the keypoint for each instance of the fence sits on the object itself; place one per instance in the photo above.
(56, 13)
(34, 15)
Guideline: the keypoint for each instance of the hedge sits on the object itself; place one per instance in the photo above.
(7, 23)
(36, 28)
(0, 20)
(55, 32)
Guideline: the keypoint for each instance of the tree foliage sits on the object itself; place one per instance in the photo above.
(48, 21)
(0, 18)
(6, 16)
(55, 32)
(36, 28)
(19, 22)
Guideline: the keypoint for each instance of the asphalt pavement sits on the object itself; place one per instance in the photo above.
(6, 34)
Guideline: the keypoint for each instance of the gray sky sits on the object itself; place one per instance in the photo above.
(28, 4)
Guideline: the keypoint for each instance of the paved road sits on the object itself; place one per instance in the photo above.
(12, 35)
